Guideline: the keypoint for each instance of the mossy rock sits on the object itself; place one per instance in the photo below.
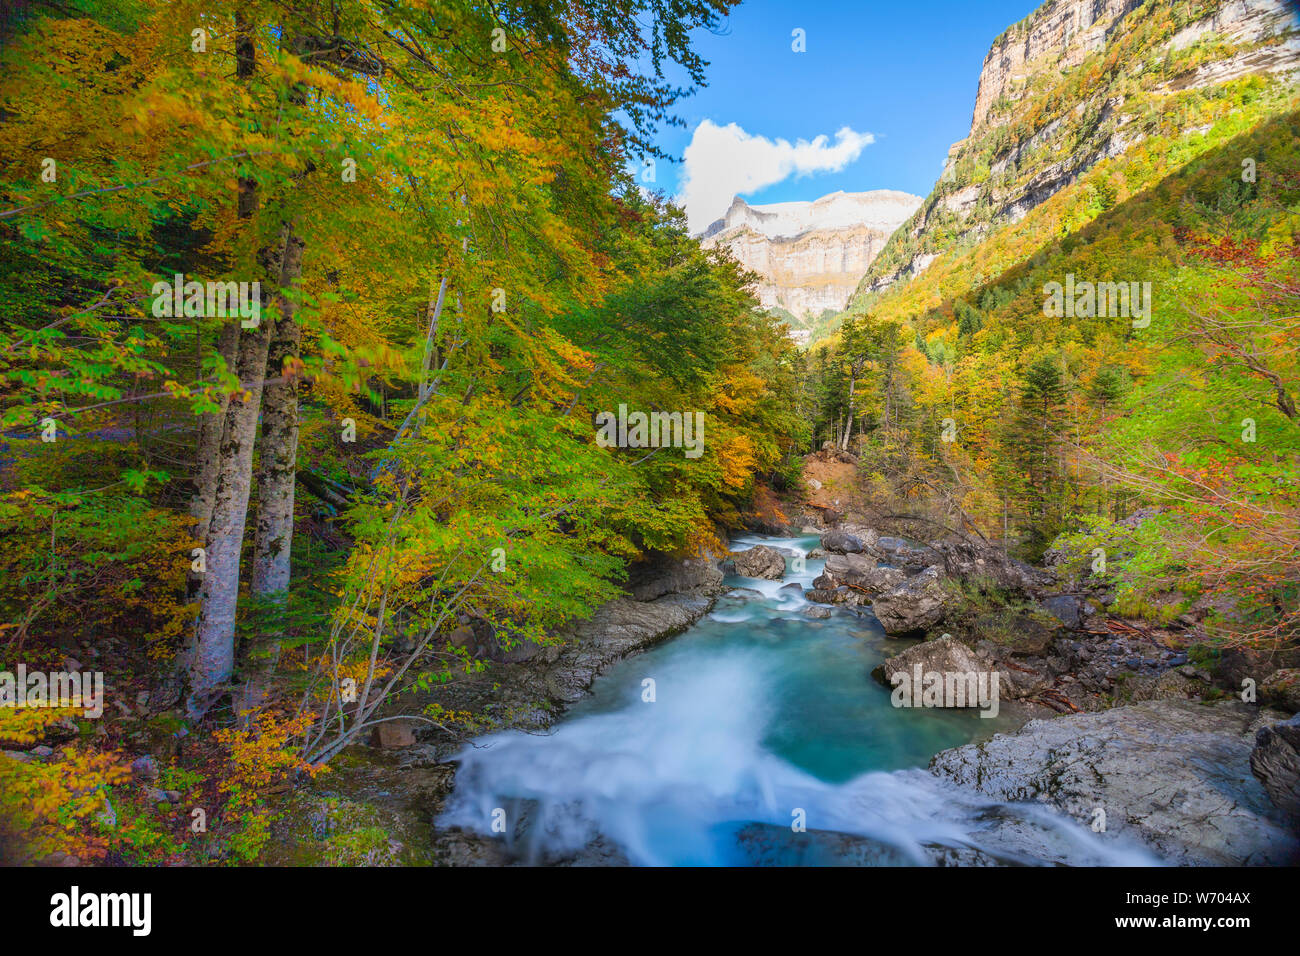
(318, 830)
(1022, 632)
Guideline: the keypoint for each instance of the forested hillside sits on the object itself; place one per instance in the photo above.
(1095, 313)
(271, 519)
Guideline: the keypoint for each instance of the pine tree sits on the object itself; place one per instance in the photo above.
(1034, 442)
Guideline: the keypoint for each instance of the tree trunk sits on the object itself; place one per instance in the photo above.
(848, 427)
(273, 536)
(205, 492)
(214, 655)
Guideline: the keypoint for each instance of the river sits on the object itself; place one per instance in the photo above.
(756, 737)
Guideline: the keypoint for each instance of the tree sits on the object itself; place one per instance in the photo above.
(1035, 441)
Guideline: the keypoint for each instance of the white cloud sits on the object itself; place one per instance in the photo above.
(724, 161)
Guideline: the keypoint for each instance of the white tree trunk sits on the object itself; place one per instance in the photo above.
(205, 493)
(848, 428)
(273, 534)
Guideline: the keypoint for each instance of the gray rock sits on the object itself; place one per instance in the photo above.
(918, 603)
(977, 562)
(1022, 679)
(883, 579)
(905, 555)
(859, 571)
(1275, 761)
(663, 575)
(1069, 609)
(617, 630)
(846, 565)
(1172, 775)
(817, 612)
(945, 655)
(760, 561)
(107, 816)
(841, 542)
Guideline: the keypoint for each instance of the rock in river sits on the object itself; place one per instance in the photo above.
(760, 561)
(945, 655)
(841, 542)
(859, 571)
(916, 604)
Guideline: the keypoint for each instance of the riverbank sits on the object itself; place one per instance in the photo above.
(387, 794)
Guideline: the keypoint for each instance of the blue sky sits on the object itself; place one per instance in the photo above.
(904, 73)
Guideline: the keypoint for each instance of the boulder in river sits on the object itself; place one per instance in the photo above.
(847, 565)
(760, 561)
(841, 542)
(918, 603)
(948, 655)
(859, 572)
(1173, 775)
(944, 655)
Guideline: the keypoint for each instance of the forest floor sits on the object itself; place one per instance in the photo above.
(831, 482)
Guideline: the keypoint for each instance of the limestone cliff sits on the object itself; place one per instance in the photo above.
(810, 255)
(1077, 83)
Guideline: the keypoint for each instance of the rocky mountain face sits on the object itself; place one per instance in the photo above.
(810, 255)
(1076, 83)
